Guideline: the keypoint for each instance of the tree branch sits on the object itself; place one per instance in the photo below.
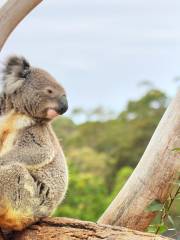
(153, 177)
(11, 13)
(67, 229)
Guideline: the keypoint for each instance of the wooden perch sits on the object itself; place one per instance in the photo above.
(67, 229)
(153, 177)
(12, 12)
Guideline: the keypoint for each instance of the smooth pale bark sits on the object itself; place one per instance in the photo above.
(11, 13)
(67, 229)
(153, 177)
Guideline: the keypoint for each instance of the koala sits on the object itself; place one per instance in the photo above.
(33, 170)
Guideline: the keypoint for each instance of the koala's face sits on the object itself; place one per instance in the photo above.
(33, 91)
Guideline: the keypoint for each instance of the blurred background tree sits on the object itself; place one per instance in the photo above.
(102, 152)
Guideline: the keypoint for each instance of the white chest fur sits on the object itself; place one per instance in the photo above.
(9, 126)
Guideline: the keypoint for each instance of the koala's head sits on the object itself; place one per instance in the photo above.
(32, 91)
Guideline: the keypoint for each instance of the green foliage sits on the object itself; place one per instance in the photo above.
(63, 128)
(87, 160)
(102, 155)
(86, 197)
(121, 177)
(132, 130)
(161, 228)
(164, 219)
(155, 206)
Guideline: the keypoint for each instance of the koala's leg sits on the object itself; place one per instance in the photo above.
(18, 197)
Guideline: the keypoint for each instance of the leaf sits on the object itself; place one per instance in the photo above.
(152, 228)
(162, 228)
(176, 183)
(155, 206)
(178, 194)
(171, 220)
(176, 149)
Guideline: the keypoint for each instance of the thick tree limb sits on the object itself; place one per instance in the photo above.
(67, 229)
(11, 14)
(153, 177)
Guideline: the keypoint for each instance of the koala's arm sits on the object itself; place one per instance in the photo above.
(33, 158)
(32, 149)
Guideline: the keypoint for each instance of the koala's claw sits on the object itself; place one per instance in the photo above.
(42, 191)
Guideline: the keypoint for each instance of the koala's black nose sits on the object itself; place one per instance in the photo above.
(63, 104)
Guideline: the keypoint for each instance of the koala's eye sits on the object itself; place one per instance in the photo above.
(49, 91)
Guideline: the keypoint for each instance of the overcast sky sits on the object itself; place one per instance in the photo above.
(100, 49)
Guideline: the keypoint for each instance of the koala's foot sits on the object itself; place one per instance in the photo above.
(17, 197)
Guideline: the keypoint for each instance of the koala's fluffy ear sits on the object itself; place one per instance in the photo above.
(15, 73)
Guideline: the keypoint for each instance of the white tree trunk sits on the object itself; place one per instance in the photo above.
(153, 177)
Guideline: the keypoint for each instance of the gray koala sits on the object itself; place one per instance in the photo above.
(33, 171)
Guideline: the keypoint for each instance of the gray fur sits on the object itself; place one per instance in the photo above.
(33, 172)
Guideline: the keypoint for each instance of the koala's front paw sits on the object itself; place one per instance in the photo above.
(42, 191)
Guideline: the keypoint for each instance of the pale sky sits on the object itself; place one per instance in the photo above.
(100, 49)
